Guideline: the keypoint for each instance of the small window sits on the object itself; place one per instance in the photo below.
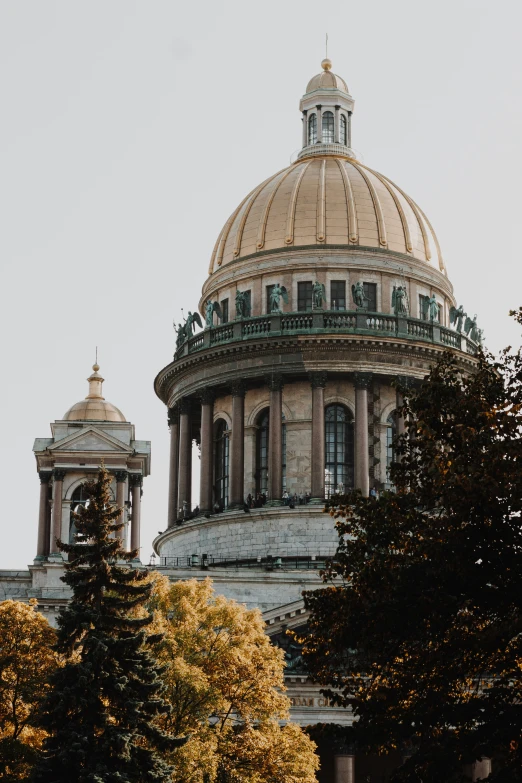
(343, 137)
(304, 296)
(263, 424)
(370, 293)
(339, 450)
(338, 294)
(224, 311)
(248, 304)
(221, 463)
(328, 127)
(312, 129)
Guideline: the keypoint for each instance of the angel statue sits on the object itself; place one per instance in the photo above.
(193, 318)
(358, 296)
(457, 316)
(211, 308)
(433, 308)
(399, 300)
(242, 304)
(276, 293)
(180, 334)
(318, 294)
(470, 328)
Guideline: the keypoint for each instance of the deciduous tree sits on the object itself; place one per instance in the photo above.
(26, 662)
(420, 627)
(221, 665)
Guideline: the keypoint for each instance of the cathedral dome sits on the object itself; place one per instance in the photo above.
(327, 80)
(94, 407)
(327, 200)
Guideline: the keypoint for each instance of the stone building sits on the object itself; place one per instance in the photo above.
(326, 285)
(91, 432)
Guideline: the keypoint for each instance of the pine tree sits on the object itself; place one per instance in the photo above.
(100, 711)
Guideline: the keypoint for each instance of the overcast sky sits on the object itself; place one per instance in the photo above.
(130, 130)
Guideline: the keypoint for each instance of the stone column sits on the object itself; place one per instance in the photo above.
(121, 480)
(337, 130)
(349, 129)
(42, 548)
(173, 419)
(185, 458)
(305, 128)
(344, 768)
(401, 424)
(136, 480)
(207, 451)
(237, 446)
(318, 382)
(56, 532)
(362, 382)
(319, 123)
(275, 440)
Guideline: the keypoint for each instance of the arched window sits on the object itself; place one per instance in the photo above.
(391, 434)
(221, 463)
(263, 424)
(339, 451)
(343, 136)
(79, 498)
(328, 127)
(312, 129)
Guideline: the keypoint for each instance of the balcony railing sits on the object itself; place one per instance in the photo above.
(324, 322)
(264, 562)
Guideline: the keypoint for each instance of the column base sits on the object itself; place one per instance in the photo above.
(316, 502)
(39, 559)
(55, 557)
(233, 507)
(272, 503)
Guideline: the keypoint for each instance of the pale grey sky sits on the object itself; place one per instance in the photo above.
(131, 129)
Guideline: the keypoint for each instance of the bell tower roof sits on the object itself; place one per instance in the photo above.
(94, 407)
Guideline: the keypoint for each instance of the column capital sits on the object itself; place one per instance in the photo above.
(406, 381)
(207, 396)
(274, 382)
(362, 380)
(58, 475)
(237, 389)
(184, 405)
(319, 106)
(120, 476)
(318, 379)
(173, 414)
(45, 476)
(135, 479)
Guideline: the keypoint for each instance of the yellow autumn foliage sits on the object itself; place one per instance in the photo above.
(221, 665)
(26, 662)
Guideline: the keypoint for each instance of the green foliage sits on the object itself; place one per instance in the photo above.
(101, 707)
(420, 627)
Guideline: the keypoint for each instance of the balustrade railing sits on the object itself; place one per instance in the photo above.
(324, 322)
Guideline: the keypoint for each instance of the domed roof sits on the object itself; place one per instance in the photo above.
(327, 80)
(94, 407)
(327, 200)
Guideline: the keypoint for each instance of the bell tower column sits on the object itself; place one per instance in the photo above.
(121, 481)
(136, 481)
(56, 533)
(173, 418)
(42, 549)
(363, 381)
(237, 446)
(318, 382)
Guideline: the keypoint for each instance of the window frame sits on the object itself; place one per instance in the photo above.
(339, 442)
(373, 287)
(224, 310)
(328, 127)
(307, 299)
(343, 130)
(221, 447)
(311, 134)
(336, 298)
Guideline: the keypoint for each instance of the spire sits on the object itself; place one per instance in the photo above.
(95, 384)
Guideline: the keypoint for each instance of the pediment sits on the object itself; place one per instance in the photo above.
(289, 616)
(91, 439)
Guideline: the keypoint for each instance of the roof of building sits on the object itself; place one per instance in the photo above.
(327, 80)
(94, 407)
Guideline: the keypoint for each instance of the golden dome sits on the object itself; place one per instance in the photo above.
(327, 200)
(327, 80)
(94, 407)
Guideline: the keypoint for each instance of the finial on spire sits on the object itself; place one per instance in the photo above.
(326, 63)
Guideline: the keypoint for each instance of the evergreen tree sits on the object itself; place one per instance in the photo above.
(100, 710)
(420, 629)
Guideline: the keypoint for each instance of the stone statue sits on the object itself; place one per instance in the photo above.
(211, 308)
(471, 330)
(192, 318)
(399, 300)
(276, 293)
(358, 295)
(180, 334)
(457, 316)
(242, 304)
(433, 309)
(319, 295)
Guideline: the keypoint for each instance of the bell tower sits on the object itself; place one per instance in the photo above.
(327, 108)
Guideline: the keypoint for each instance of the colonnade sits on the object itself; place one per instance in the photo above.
(180, 424)
(51, 509)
